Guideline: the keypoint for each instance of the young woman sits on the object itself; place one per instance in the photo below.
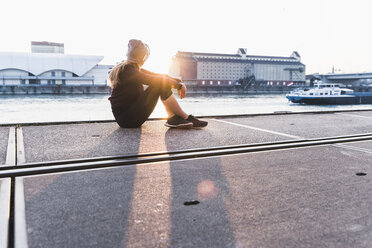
(132, 105)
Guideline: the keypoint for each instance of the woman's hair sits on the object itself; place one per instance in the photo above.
(113, 77)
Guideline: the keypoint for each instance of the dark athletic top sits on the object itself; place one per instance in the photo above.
(130, 86)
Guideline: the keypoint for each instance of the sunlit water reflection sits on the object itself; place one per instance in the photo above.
(50, 108)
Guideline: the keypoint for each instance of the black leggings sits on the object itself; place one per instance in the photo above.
(140, 111)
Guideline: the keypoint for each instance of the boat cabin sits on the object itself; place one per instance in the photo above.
(322, 86)
(323, 90)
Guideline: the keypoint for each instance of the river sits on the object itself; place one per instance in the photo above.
(58, 108)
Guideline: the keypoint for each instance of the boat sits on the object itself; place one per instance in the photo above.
(323, 93)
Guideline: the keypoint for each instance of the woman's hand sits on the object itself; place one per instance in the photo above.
(182, 91)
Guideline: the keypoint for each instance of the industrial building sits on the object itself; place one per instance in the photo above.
(47, 47)
(48, 65)
(212, 69)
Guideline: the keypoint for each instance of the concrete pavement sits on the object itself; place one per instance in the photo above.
(303, 197)
(309, 197)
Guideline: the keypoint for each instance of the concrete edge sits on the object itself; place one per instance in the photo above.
(209, 116)
(21, 157)
(10, 159)
(4, 211)
(20, 227)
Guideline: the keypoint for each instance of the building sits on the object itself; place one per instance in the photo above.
(47, 47)
(48, 65)
(212, 69)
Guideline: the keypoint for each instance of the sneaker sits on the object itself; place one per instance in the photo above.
(177, 121)
(196, 122)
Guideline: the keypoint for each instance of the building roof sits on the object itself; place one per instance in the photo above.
(295, 53)
(46, 43)
(180, 53)
(38, 63)
(253, 60)
(242, 51)
(253, 57)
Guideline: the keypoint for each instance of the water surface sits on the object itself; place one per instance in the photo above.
(51, 108)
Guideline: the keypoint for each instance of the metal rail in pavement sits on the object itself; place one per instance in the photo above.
(133, 159)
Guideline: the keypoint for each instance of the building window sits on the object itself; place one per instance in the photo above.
(63, 74)
(218, 82)
(229, 82)
(203, 83)
(53, 73)
(211, 82)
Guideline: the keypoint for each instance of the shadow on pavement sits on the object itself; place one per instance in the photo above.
(85, 209)
(198, 213)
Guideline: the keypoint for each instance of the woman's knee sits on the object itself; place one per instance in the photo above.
(160, 90)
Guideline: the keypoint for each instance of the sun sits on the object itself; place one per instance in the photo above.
(160, 60)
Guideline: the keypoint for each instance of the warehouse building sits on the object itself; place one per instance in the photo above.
(48, 65)
(211, 69)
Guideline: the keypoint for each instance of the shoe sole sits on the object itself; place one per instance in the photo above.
(200, 126)
(186, 125)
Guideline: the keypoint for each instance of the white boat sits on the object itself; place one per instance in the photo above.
(323, 93)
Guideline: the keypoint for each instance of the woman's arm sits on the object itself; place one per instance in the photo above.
(143, 76)
(150, 73)
(156, 74)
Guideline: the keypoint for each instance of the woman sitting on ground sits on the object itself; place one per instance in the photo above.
(132, 105)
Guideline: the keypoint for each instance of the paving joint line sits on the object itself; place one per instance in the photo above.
(259, 129)
(354, 115)
(355, 148)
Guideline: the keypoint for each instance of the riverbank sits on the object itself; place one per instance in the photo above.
(53, 89)
(191, 90)
(102, 89)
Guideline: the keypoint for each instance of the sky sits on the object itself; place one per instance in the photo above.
(326, 33)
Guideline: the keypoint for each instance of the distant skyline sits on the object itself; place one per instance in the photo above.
(326, 33)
